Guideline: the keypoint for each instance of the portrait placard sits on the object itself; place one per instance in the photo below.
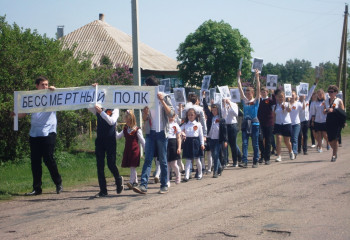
(288, 90)
(225, 92)
(271, 81)
(257, 64)
(206, 82)
(166, 83)
(235, 95)
(303, 89)
(180, 95)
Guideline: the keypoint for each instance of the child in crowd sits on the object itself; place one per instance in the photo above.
(133, 136)
(318, 119)
(174, 149)
(194, 143)
(217, 134)
(283, 125)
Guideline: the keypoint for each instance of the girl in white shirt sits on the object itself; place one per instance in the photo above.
(296, 108)
(193, 145)
(318, 119)
(174, 149)
(283, 125)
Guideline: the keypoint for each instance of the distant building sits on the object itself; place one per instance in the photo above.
(101, 39)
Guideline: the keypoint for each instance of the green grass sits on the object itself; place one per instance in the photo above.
(77, 167)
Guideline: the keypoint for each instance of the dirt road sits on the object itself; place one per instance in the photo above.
(307, 198)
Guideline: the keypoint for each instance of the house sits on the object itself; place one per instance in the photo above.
(102, 39)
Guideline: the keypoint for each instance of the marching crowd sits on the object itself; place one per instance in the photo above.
(201, 135)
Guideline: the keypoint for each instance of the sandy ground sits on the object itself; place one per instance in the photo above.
(307, 198)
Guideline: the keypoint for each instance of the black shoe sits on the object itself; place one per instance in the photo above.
(267, 163)
(185, 180)
(215, 175)
(101, 194)
(120, 184)
(59, 188)
(243, 165)
(334, 158)
(220, 170)
(183, 172)
(196, 175)
(261, 160)
(33, 193)
(305, 153)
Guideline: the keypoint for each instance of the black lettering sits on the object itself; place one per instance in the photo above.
(59, 99)
(128, 94)
(24, 102)
(42, 103)
(37, 103)
(115, 97)
(68, 97)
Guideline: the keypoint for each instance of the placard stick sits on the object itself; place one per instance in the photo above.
(15, 108)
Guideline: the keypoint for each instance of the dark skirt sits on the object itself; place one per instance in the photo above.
(192, 148)
(285, 130)
(320, 127)
(333, 127)
(172, 150)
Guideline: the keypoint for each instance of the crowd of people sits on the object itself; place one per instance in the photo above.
(199, 135)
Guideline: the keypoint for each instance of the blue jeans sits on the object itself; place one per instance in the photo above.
(215, 153)
(294, 137)
(155, 140)
(255, 140)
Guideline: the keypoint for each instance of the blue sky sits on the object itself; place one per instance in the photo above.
(278, 30)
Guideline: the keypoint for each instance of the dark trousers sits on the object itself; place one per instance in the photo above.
(43, 148)
(105, 146)
(265, 134)
(304, 127)
(232, 131)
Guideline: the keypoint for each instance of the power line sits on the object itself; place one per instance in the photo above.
(293, 10)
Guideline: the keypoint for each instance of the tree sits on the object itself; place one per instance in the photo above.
(213, 49)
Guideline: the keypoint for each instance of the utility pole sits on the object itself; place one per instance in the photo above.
(342, 67)
(135, 53)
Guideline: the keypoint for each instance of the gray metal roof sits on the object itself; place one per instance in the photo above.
(100, 38)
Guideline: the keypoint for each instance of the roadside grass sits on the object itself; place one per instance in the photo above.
(77, 167)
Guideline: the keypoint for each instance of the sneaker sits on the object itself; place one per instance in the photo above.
(33, 193)
(177, 180)
(141, 189)
(183, 172)
(185, 180)
(163, 190)
(59, 188)
(235, 165)
(291, 156)
(120, 184)
(278, 159)
(208, 171)
(215, 175)
(220, 170)
(243, 165)
(130, 186)
(101, 194)
(334, 158)
(135, 184)
(199, 178)
(255, 165)
(156, 180)
(319, 150)
(267, 163)
(313, 145)
(295, 156)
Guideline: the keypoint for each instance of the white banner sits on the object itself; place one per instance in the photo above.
(122, 97)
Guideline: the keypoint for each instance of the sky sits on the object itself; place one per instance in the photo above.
(278, 30)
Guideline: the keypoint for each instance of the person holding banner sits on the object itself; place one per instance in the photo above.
(42, 143)
(250, 125)
(106, 143)
(155, 139)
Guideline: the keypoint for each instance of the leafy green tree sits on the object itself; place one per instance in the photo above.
(215, 49)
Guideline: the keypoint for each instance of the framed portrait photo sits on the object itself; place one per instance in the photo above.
(257, 64)
(179, 95)
(206, 82)
(235, 95)
(288, 90)
(271, 81)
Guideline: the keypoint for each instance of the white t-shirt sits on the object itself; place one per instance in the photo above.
(282, 116)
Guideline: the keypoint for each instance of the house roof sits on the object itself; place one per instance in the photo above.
(101, 39)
